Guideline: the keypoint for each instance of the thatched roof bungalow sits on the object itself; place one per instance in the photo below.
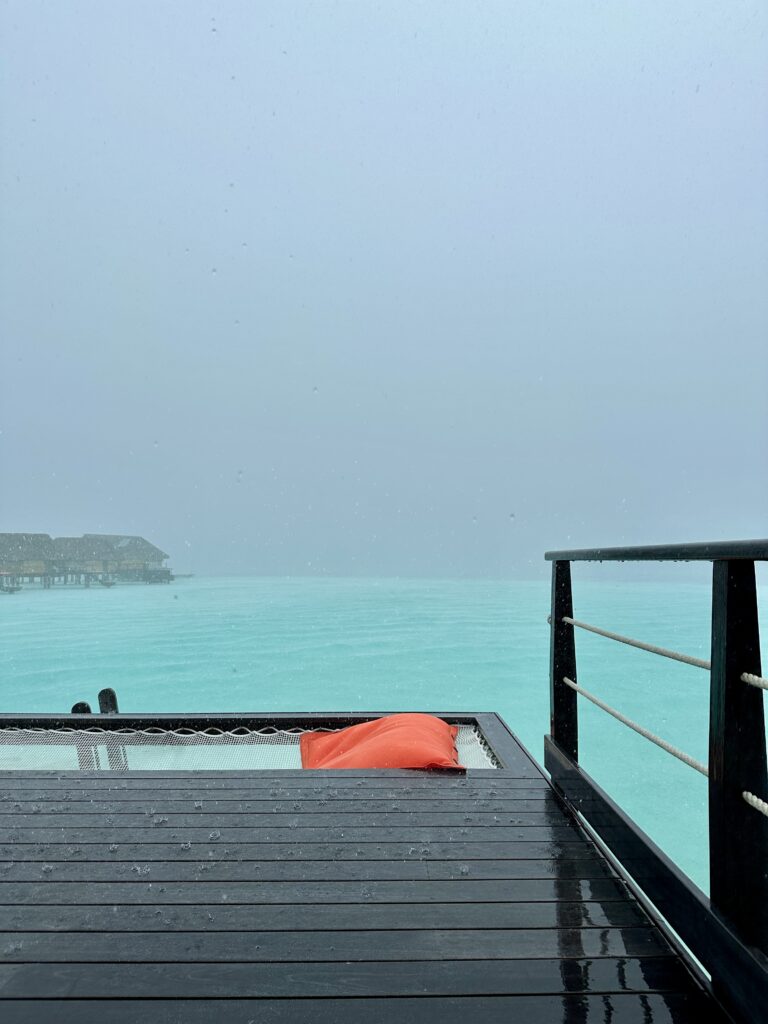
(129, 552)
(37, 554)
(23, 553)
(83, 554)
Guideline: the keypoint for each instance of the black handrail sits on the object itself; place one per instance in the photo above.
(728, 933)
(707, 551)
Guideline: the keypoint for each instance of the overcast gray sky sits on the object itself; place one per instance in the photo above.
(384, 288)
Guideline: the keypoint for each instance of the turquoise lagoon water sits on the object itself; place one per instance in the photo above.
(257, 644)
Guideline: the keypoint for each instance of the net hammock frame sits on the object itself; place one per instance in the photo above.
(104, 742)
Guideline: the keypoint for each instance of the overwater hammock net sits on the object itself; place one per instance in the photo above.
(187, 749)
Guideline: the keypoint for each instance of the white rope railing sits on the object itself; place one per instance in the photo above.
(747, 677)
(756, 802)
(686, 659)
(753, 680)
(674, 751)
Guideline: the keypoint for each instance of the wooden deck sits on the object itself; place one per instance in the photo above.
(299, 897)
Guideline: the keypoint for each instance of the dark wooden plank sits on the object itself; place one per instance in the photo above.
(478, 977)
(545, 801)
(318, 834)
(200, 892)
(117, 917)
(330, 946)
(623, 1008)
(131, 822)
(490, 782)
(50, 853)
(314, 870)
(148, 794)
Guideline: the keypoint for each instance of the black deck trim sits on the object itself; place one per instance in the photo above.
(624, 1008)
(678, 901)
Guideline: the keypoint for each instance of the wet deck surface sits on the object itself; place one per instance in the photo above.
(318, 897)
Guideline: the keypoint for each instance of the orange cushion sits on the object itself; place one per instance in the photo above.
(397, 741)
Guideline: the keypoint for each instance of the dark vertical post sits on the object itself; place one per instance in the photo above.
(738, 834)
(86, 752)
(562, 662)
(118, 762)
(108, 701)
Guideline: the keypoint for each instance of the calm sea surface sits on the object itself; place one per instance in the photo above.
(256, 644)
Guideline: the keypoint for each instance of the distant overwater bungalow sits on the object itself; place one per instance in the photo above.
(105, 559)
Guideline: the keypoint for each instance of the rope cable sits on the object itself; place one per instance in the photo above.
(674, 751)
(756, 802)
(753, 680)
(686, 659)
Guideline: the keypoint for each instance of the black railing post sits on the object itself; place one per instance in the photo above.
(87, 754)
(564, 725)
(116, 758)
(108, 701)
(738, 834)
